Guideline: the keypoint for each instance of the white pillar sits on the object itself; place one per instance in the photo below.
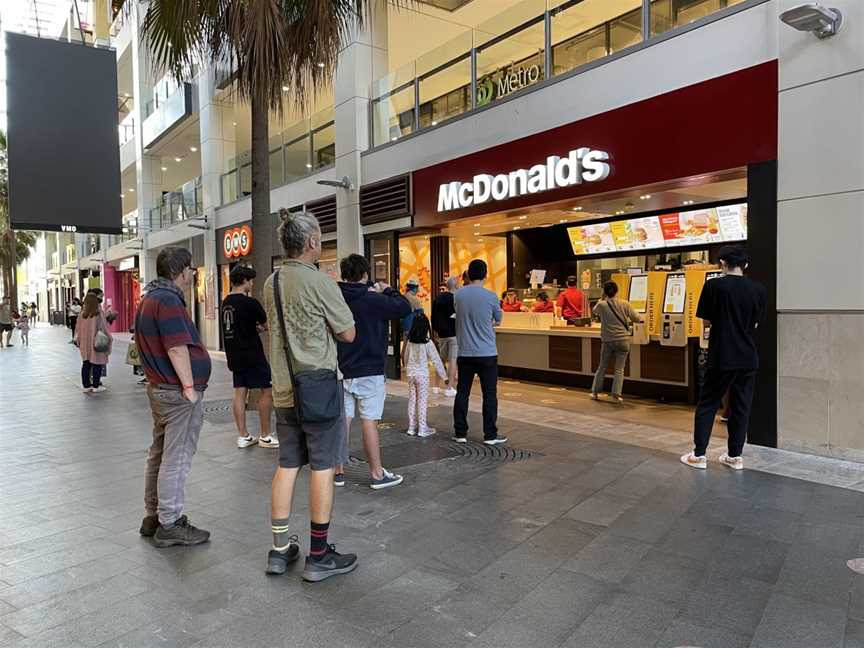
(820, 215)
(217, 146)
(362, 61)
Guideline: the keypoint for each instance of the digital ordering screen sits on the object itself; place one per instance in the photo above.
(639, 293)
(679, 229)
(676, 291)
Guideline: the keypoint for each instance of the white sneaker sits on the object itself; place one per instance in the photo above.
(429, 431)
(99, 389)
(246, 441)
(411, 432)
(735, 463)
(693, 461)
(87, 390)
(436, 390)
(496, 441)
(268, 442)
(450, 392)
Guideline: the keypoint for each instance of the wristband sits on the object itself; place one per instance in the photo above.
(188, 386)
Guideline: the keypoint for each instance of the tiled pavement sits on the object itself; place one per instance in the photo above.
(590, 542)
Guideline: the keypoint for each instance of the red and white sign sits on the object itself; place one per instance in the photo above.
(237, 242)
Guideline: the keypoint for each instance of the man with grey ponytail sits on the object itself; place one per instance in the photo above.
(315, 315)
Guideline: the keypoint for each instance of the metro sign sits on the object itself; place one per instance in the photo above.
(580, 165)
(237, 242)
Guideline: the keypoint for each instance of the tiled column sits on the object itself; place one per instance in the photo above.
(217, 146)
(148, 168)
(360, 63)
(820, 236)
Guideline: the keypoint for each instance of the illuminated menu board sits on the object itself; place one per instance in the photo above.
(592, 239)
(733, 222)
(679, 229)
(638, 297)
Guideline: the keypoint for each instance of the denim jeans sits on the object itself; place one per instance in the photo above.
(617, 349)
(176, 427)
(91, 374)
(486, 368)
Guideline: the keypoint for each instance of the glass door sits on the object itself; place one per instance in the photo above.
(382, 250)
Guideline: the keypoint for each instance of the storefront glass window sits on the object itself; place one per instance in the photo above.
(508, 60)
(583, 34)
(297, 163)
(229, 187)
(444, 77)
(669, 14)
(277, 172)
(393, 116)
(324, 147)
(382, 260)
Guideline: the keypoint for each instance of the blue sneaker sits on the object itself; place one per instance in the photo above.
(387, 480)
(339, 479)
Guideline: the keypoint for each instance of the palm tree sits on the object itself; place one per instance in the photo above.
(14, 246)
(274, 45)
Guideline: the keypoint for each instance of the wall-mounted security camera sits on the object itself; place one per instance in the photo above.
(813, 17)
(344, 183)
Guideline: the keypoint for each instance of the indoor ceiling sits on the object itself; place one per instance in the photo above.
(678, 195)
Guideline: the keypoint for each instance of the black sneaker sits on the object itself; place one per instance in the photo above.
(277, 561)
(180, 533)
(330, 564)
(149, 525)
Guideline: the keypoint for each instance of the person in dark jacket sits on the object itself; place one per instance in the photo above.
(362, 362)
(444, 327)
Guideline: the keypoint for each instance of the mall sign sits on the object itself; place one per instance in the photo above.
(580, 165)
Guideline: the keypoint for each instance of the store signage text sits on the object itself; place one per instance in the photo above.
(237, 242)
(506, 82)
(580, 165)
(126, 264)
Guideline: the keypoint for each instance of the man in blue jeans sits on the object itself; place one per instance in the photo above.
(478, 311)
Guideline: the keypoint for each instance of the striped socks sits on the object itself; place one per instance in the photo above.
(281, 540)
(318, 541)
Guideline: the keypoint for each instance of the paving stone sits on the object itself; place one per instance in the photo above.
(683, 633)
(601, 509)
(814, 576)
(625, 621)
(608, 557)
(790, 622)
(733, 604)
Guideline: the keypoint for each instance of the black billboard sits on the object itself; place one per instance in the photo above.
(64, 154)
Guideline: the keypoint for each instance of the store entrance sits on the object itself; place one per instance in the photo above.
(658, 243)
(382, 250)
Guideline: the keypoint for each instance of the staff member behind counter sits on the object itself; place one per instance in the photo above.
(511, 303)
(571, 302)
(543, 304)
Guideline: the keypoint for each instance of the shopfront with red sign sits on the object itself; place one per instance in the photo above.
(644, 195)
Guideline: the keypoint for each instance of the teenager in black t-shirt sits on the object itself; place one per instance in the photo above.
(734, 306)
(243, 318)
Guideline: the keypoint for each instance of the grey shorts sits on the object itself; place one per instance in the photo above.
(448, 349)
(321, 445)
(365, 396)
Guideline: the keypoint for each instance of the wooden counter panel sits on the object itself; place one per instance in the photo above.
(595, 360)
(664, 363)
(565, 353)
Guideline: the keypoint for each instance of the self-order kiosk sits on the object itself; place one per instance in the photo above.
(673, 331)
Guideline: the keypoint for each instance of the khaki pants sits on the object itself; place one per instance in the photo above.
(176, 427)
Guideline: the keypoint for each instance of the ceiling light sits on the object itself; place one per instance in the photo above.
(126, 94)
(285, 88)
(164, 168)
(687, 202)
(619, 212)
(523, 218)
(577, 209)
(563, 220)
(645, 197)
(476, 224)
(235, 123)
(393, 139)
(515, 227)
(178, 159)
(434, 123)
(308, 166)
(122, 195)
(476, 233)
(132, 190)
(320, 65)
(479, 240)
(193, 148)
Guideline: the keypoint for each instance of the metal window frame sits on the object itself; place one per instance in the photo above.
(648, 40)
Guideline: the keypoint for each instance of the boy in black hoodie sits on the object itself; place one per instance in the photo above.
(362, 362)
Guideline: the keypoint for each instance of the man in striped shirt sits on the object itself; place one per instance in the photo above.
(177, 367)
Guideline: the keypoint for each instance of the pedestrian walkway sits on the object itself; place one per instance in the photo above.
(563, 539)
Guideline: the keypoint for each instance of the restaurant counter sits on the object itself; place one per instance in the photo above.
(531, 348)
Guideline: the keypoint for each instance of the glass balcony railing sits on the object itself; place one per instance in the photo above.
(126, 129)
(176, 206)
(171, 104)
(520, 47)
(124, 15)
(303, 148)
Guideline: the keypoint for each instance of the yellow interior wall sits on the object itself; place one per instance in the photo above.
(492, 250)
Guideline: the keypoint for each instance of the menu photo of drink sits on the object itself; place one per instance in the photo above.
(637, 234)
(691, 227)
(733, 222)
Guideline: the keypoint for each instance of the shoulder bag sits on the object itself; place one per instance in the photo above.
(317, 392)
(627, 326)
(101, 341)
